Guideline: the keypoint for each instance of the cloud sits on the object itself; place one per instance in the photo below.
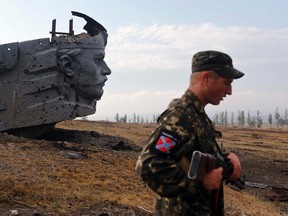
(162, 51)
(165, 46)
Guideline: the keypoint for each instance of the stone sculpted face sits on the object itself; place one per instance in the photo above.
(82, 63)
(91, 73)
(47, 81)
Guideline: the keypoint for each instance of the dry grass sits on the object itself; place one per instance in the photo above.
(36, 174)
(271, 144)
(138, 133)
(240, 204)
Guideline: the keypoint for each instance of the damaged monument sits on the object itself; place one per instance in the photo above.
(45, 81)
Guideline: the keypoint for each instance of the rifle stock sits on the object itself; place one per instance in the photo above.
(202, 163)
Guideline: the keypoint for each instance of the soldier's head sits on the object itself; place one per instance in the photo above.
(212, 76)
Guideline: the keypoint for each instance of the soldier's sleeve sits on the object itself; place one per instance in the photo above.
(158, 164)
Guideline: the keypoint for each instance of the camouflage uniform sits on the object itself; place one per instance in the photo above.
(182, 128)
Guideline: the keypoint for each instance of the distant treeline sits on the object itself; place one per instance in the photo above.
(135, 118)
(246, 119)
(240, 118)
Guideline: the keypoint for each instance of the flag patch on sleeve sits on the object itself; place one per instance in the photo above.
(166, 143)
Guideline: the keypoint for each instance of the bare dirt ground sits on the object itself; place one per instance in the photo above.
(87, 168)
(264, 158)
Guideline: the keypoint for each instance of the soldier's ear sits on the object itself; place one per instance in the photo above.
(65, 65)
(205, 78)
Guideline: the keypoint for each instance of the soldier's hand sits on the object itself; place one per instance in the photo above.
(213, 179)
(237, 167)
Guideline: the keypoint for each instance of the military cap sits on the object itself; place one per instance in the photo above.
(217, 61)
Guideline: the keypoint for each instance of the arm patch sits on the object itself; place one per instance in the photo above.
(166, 142)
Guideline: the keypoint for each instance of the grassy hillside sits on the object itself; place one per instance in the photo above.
(80, 172)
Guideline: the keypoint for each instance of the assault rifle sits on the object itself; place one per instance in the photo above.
(202, 163)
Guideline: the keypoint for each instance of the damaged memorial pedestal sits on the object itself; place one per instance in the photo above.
(45, 81)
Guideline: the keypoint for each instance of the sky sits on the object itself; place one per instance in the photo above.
(151, 44)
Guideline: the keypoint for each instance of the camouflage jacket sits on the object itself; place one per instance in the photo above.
(181, 129)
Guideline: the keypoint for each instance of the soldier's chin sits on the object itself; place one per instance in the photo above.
(216, 102)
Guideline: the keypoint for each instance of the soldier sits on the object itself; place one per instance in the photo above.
(183, 128)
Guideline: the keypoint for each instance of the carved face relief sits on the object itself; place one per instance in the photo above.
(45, 81)
(91, 74)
